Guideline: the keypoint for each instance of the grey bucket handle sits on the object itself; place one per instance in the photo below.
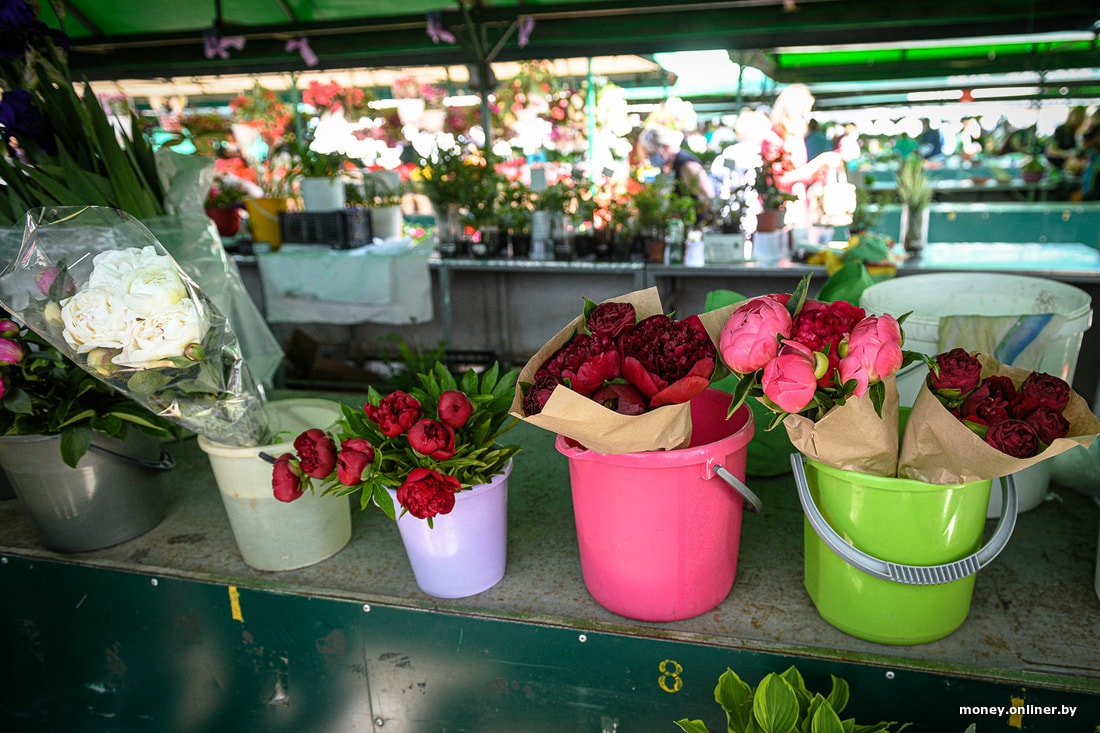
(908, 574)
(752, 501)
(161, 464)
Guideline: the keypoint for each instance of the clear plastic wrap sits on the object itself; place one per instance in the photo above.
(96, 283)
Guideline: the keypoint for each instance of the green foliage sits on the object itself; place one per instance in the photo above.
(46, 394)
(913, 188)
(781, 703)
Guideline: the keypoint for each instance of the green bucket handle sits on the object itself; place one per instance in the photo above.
(908, 574)
(752, 501)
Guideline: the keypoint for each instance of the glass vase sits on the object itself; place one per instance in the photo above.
(914, 228)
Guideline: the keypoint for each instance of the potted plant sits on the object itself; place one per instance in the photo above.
(772, 199)
(433, 451)
(452, 177)
(915, 194)
(382, 191)
(223, 204)
(651, 205)
(1032, 170)
(514, 210)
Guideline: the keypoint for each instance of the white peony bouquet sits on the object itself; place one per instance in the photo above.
(97, 285)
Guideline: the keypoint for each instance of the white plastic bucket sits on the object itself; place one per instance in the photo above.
(932, 297)
(271, 534)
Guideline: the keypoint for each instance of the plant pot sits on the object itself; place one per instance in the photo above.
(655, 251)
(768, 220)
(521, 244)
(465, 552)
(112, 495)
(322, 193)
(227, 220)
(1031, 176)
(387, 222)
(263, 220)
(270, 534)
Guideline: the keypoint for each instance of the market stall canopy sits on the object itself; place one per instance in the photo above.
(115, 39)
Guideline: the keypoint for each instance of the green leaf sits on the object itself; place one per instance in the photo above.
(877, 393)
(692, 726)
(838, 695)
(798, 297)
(75, 440)
(792, 675)
(775, 705)
(18, 401)
(735, 697)
(383, 500)
(826, 720)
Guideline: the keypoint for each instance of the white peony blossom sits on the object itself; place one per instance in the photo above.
(95, 318)
(111, 268)
(164, 335)
(153, 287)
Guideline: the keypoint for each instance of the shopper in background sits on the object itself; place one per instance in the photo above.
(1062, 145)
(817, 142)
(664, 147)
(930, 140)
(784, 148)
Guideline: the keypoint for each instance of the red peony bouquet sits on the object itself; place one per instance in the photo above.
(976, 418)
(619, 377)
(424, 445)
(826, 371)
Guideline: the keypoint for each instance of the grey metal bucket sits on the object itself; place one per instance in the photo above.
(110, 497)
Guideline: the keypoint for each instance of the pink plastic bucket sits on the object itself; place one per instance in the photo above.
(658, 531)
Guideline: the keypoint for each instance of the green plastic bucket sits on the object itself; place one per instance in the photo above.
(893, 560)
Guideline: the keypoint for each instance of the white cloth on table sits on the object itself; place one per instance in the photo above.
(388, 282)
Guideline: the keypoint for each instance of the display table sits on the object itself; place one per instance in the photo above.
(172, 632)
(381, 283)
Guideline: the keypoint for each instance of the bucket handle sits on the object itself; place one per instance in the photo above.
(161, 464)
(908, 574)
(752, 501)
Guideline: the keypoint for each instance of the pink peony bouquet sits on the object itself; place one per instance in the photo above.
(976, 418)
(826, 370)
(619, 377)
(424, 445)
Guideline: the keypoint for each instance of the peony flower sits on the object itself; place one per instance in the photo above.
(455, 408)
(8, 327)
(433, 439)
(611, 319)
(538, 394)
(750, 338)
(624, 399)
(958, 373)
(395, 413)
(790, 379)
(287, 479)
(93, 318)
(819, 325)
(875, 344)
(668, 361)
(584, 363)
(316, 453)
(1049, 426)
(164, 335)
(153, 288)
(426, 493)
(352, 461)
(1051, 392)
(1014, 437)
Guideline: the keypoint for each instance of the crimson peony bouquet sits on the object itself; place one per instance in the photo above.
(976, 418)
(826, 370)
(425, 444)
(619, 377)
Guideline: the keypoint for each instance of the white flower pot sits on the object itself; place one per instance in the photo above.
(322, 194)
(387, 222)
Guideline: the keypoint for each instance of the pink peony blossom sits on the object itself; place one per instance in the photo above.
(875, 345)
(750, 338)
(790, 379)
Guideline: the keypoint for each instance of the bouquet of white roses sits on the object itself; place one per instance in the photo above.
(98, 286)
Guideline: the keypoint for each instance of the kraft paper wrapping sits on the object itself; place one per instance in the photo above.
(938, 448)
(594, 426)
(852, 436)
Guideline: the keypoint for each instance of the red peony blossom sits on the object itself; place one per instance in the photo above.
(1048, 425)
(1051, 392)
(427, 493)
(959, 372)
(455, 408)
(395, 413)
(316, 453)
(624, 399)
(1013, 437)
(350, 465)
(287, 479)
(611, 319)
(668, 361)
(986, 405)
(820, 325)
(433, 439)
(538, 394)
(584, 363)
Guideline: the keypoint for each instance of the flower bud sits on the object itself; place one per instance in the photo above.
(100, 360)
(8, 327)
(194, 352)
(52, 314)
(11, 352)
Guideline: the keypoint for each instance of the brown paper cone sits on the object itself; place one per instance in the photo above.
(593, 425)
(852, 437)
(938, 448)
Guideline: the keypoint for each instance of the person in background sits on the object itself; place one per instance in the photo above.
(784, 148)
(817, 142)
(930, 140)
(1062, 145)
(735, 167)
(1090, 174)
(848, 143)
(663, 145)
(905, 145)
